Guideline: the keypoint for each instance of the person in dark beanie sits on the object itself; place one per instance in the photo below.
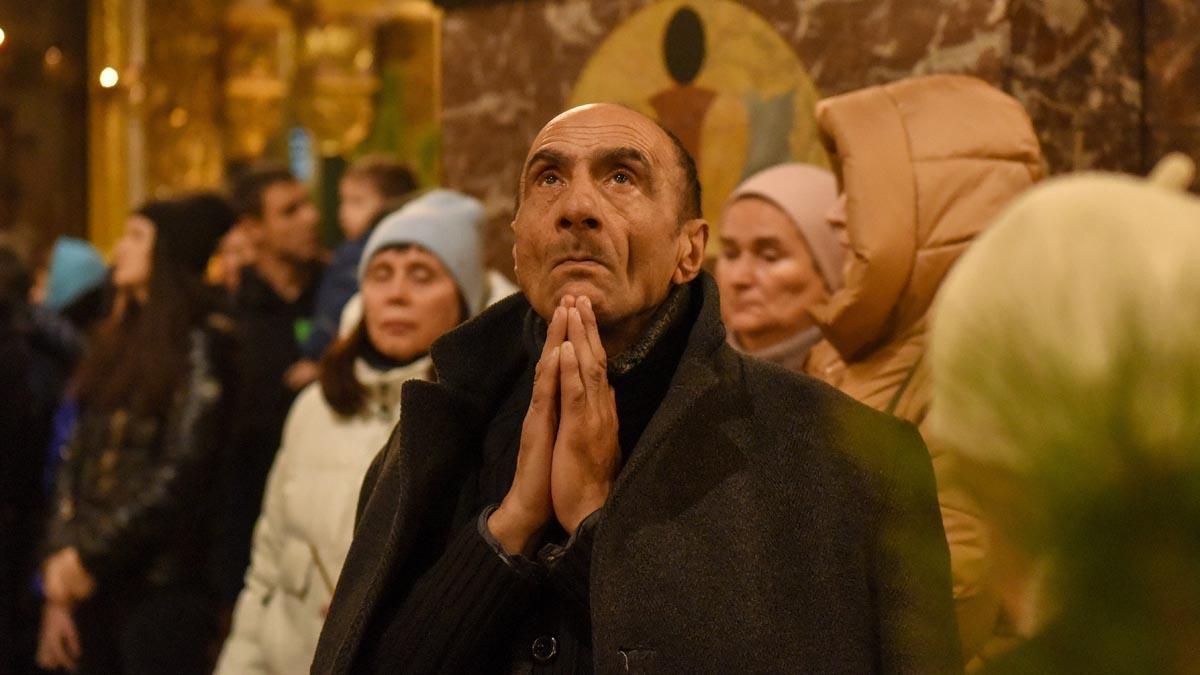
(126, 546)
(272, 310)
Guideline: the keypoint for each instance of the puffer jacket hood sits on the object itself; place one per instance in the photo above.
(926, 164)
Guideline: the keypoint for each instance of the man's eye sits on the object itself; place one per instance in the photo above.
(622, 177)
(549, 179)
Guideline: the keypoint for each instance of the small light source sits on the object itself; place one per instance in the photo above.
(109, 77)
(3, 37)
(53, 58)
(364, 59)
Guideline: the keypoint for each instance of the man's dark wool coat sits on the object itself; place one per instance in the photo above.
(764, 522)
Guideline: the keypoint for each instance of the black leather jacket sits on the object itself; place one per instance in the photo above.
(133, 492)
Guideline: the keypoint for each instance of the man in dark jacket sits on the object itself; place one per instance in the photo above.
(675, 507)
(272, 309)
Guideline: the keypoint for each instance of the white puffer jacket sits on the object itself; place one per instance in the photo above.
(308, 513)
(304, 531)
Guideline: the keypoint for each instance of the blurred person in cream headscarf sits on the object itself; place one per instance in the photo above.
(1065, 358)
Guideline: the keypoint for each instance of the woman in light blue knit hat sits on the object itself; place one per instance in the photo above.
(75, 269)
(421, 274)
(446, 224)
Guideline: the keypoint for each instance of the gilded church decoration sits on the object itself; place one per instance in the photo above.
(209, 86)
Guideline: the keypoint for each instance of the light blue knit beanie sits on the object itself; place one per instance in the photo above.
(446, 223)
(75, 269)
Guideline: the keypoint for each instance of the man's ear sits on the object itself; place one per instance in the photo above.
(516, 270)
(693, 241)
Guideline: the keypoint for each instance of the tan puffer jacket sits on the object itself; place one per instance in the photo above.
(925, 164)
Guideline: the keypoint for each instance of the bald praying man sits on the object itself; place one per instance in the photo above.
(598, 482)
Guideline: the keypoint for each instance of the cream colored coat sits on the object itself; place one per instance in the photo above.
(308, 513)
(927, 164)
(304, 532)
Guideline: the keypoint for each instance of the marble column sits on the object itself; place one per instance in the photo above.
(1076, 65)
(1173, 79)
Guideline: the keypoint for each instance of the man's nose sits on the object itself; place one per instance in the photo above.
(580, 206)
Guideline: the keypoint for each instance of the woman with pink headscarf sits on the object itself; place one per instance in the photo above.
(779, 257)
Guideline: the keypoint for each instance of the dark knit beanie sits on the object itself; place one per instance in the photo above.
(187, 229)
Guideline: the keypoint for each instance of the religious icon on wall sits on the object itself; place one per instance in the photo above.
(720, 78)
(683, 106)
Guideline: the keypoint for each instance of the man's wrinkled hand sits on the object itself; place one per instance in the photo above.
(587, 455)
(527, 507)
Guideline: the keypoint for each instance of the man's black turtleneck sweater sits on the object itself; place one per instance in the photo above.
(545, 600)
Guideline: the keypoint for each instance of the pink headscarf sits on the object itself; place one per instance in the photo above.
(805, 193)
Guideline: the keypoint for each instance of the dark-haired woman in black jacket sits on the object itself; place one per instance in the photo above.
(124, 573)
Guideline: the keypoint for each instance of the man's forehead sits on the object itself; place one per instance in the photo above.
(601, 127)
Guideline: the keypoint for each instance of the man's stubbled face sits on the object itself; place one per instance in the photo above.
(599, 216)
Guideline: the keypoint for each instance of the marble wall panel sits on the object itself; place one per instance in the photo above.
(1077, 65)
(507, 69)
(510, 66)
(1173, 79)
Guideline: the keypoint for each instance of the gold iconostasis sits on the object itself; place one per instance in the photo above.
(186, 92)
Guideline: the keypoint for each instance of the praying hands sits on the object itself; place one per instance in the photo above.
(569, 455)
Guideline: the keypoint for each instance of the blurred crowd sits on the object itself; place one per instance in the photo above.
(188, 421)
